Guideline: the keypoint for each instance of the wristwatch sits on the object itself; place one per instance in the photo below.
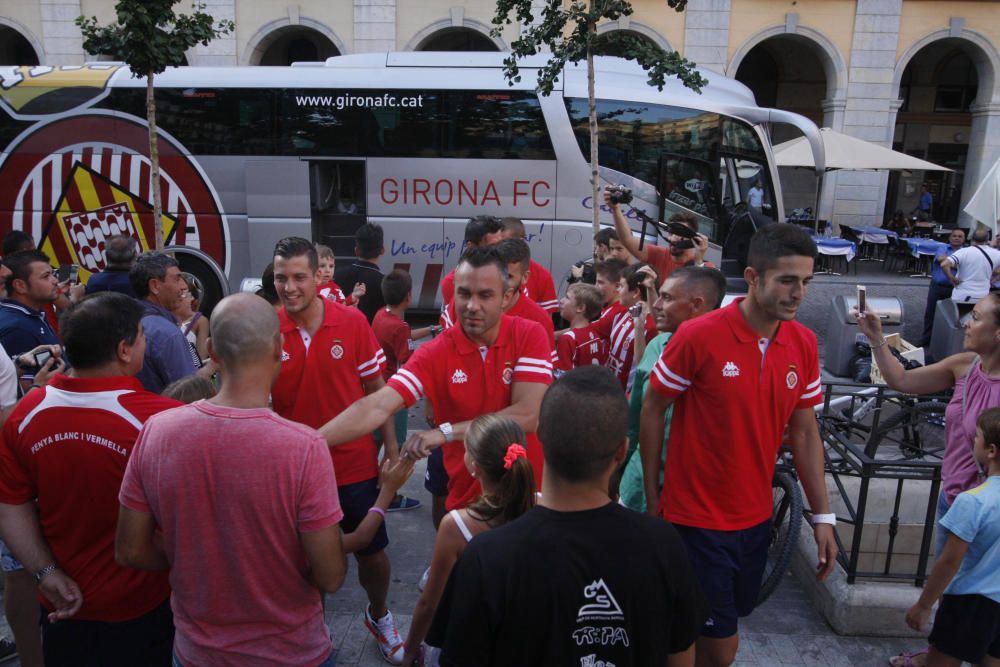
(447, 431)
(48, 569)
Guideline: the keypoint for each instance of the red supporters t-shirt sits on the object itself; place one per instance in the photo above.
(317, 384)
(331, 290)
(541, 289)
(393, 334)
(580, 347)
(67, 445)
(461, 385)
(730, 414)
(232, 490)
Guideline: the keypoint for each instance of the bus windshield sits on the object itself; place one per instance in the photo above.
(699, 162)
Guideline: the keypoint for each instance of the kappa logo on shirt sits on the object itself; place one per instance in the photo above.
(459, 377)
(285, 356)
(604, 604)
(730, 370)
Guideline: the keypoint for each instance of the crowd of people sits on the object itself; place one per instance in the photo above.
(179, 489)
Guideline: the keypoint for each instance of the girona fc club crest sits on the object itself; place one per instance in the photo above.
(337, 351)
(508, 375)
(75, 181)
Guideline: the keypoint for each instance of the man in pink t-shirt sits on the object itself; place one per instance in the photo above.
(248, 508)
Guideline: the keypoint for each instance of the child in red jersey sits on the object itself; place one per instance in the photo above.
(397, 341)
(329, 289)
(579, 345)
(615, 314)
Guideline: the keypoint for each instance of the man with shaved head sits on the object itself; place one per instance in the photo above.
(248, 508)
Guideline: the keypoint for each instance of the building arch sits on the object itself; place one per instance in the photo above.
(425, 36)
(271, 32)
(969, 153)
(639, 29)
(23, 33)
(980, 49)
(829, 55)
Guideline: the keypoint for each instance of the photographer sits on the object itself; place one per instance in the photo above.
(682, 250)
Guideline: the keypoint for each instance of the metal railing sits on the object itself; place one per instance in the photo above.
(873, 433)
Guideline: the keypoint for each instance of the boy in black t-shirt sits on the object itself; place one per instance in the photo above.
(579, 580)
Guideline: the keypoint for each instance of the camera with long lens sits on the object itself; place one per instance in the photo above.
(619, 194)
(685, 233)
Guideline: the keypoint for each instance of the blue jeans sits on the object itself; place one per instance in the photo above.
(940, 534)
(331, 661)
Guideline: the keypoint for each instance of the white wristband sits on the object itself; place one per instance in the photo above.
(824, 518)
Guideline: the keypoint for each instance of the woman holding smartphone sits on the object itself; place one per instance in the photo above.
(975, 376)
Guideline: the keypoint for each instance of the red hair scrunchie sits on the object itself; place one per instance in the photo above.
(514, 452)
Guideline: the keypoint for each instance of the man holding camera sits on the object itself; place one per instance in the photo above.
(686, 247)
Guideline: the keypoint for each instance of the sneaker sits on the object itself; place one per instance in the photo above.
(390, 644)
(423, 580)
(8, 650)
(402, 503)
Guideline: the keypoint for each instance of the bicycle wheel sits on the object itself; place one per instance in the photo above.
(786, 521)
(917, 429)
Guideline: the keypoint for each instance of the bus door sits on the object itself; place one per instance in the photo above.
(337, 206)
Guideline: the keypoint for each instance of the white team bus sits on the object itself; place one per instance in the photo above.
(417, 142)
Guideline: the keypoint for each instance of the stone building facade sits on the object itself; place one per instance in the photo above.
(917, 75)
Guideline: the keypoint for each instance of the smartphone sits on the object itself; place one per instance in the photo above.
(862, 303)
(68, 272)
(42, 357)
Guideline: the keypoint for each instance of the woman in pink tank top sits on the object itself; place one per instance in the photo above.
(975, 377)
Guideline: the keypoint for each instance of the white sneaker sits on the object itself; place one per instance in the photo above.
(390, 644)
(423, 580)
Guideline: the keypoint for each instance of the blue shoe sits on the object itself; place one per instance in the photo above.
(402, 503)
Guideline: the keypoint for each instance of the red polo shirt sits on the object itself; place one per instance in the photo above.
(461, 385)
(525, 308)
(733, 403)
(67, 445)
(317, 385)
(541, 289)
(393, 334)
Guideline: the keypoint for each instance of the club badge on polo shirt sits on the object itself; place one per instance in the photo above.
(792, 379)
(508, 373)
(459, 377)
(337, 349)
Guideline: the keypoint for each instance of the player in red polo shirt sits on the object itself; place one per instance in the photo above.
(737, 377)
(539, 287)
(330, 360)
(614, 318)
(517, 255)
(62, 459)
(489, 363)
(480, 232)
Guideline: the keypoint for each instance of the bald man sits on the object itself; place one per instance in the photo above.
(216, 477)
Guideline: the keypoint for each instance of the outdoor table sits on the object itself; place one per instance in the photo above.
(833, 247)
(875, 234)
(925, 250)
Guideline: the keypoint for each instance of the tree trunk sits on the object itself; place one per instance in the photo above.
(154, 159)
(595, 180)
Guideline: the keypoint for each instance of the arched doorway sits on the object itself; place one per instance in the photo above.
(938, 90)
(15, 49)
(457, 39)
(609, 44)
(794, 72)
(292, 44)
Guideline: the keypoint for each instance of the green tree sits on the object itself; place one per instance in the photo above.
(568, 28)
(149, 37)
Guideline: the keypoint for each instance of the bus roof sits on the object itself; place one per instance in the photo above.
(617, 78)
